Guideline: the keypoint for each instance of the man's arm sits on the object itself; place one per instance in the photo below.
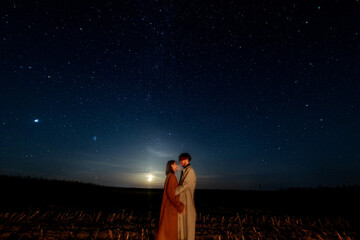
(188, 183)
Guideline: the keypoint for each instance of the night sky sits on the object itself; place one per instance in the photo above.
(262, 94)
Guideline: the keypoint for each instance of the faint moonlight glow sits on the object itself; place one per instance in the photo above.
(150, 178)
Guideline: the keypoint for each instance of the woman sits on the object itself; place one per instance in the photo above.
(170, 206)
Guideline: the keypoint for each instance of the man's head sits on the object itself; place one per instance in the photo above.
(184, 159)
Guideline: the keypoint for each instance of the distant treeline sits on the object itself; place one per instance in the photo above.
(27, 192)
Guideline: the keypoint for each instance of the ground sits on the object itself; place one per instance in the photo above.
(44, 209)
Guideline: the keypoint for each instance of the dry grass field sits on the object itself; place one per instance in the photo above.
(53, 224)
(43, 210)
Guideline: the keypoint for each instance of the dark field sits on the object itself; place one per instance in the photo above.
(50, 209)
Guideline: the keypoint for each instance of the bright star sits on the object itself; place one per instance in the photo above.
(36, 120)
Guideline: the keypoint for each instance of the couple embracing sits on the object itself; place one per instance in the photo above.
(178, 215)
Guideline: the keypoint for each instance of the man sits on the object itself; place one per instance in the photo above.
(186, 189)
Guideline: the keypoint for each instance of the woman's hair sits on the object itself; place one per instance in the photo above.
(169, 168)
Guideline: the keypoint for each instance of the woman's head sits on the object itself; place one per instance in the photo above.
(171, 167)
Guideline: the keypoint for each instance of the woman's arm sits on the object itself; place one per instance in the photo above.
(170, 192)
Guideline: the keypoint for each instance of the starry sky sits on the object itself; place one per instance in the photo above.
(262, 94)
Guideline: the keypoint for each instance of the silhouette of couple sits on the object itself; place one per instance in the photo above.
(178, 214)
